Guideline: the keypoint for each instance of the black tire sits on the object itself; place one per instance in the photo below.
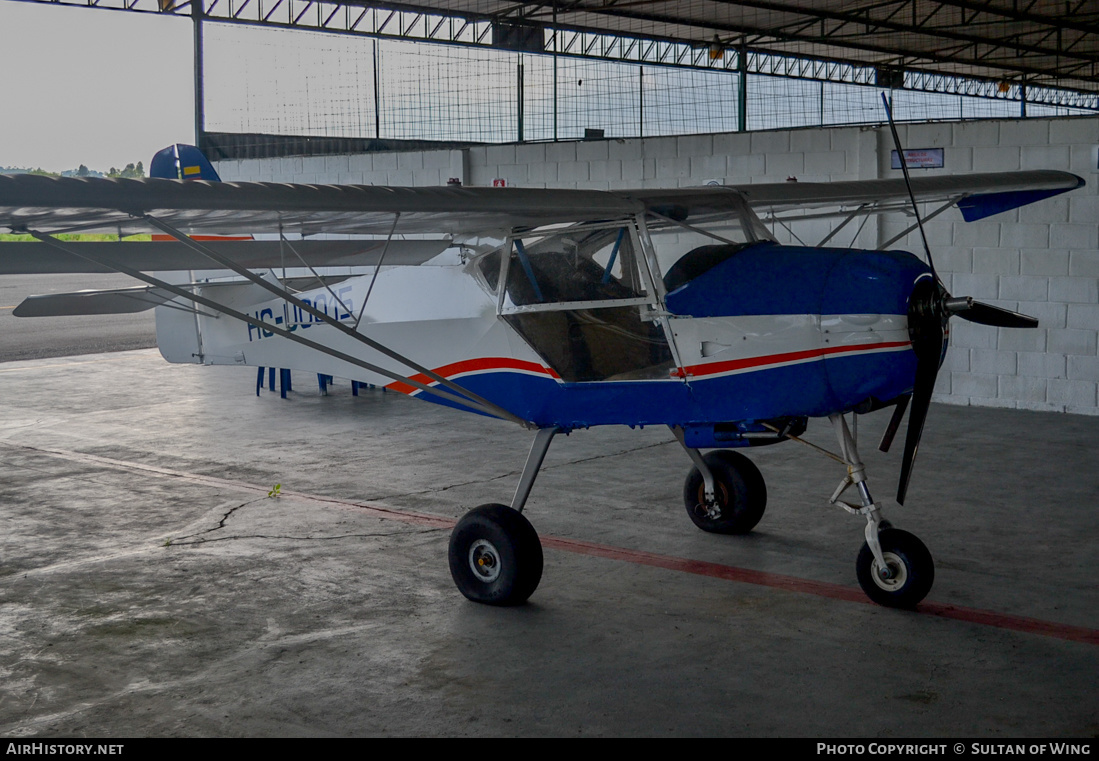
(739, 490)
(913, 569)
(495, 556)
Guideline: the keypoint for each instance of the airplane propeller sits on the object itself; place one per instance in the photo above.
(986, 314)
(929, 311)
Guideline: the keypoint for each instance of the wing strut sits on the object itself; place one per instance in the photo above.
(324, 283)
(692, 228)
(843, 224)
(377, 269)
(484, 404)
(466, 399)
(910, 228)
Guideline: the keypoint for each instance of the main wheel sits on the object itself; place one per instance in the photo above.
(911, 570)
(740, 494)
(495, 556)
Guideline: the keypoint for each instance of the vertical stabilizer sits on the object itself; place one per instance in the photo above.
(182, 162)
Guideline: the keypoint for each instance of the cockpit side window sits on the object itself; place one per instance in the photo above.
(550, 269)
(561, 277)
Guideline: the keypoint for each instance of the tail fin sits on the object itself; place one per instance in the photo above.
(185, 162)
(182, 162)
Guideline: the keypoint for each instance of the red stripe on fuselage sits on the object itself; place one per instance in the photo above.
(733, 365)
(481, 364)
(503, 364)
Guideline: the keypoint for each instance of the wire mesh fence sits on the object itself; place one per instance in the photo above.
(350, 86)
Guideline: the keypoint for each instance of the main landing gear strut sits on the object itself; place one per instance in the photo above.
(495, 556)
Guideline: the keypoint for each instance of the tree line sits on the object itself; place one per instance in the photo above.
(130, 170)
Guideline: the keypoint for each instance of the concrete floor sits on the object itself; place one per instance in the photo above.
(150, 587)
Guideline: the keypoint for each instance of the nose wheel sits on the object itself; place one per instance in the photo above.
(906, 575)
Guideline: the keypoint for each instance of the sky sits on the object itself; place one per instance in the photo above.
(93, 87)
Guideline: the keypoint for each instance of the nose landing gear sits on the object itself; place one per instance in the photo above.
(894, 567)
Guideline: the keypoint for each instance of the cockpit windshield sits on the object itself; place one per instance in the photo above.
(578, 299)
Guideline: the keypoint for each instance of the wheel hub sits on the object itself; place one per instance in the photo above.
(711, 509)
(484, 560)
(893, 576)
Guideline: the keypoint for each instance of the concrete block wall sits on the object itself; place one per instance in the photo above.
(1042, 260)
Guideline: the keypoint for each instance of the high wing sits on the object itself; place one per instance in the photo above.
(976, 195)
(128, 206)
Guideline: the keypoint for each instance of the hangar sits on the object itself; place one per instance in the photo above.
(979, 86)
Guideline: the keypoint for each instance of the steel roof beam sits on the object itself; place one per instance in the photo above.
(854, 42)
(369, 22)
(844, 18)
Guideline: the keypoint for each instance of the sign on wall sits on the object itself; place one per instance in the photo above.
(919, 158)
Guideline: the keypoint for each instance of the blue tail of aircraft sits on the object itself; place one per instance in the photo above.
(182, 162)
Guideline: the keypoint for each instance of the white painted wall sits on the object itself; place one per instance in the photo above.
(1042, 260)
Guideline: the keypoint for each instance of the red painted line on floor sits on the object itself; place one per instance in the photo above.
(683, 565)
(704, 568)
(824, 589)
(1015, 623)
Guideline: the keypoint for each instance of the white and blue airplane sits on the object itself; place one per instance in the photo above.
(556, 310)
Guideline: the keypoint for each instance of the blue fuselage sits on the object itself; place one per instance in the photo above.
(770, 332)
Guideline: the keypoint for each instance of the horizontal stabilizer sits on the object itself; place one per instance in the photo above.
(17, 258)
(115, 301)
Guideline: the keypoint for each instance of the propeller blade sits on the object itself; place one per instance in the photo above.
(927, 368)
(894, 424)
(986, 314)
(908, 182)
(929, 309)
(927, 319)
